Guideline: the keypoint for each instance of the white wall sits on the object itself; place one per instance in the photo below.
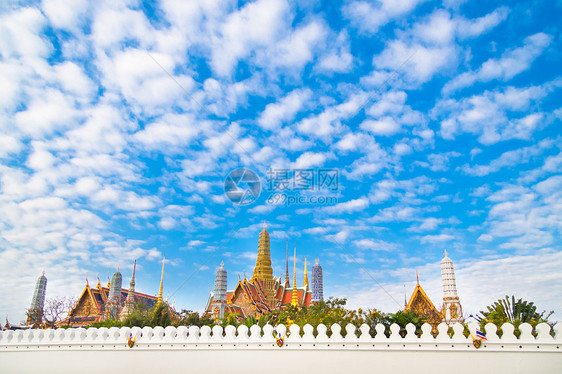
(197, 350)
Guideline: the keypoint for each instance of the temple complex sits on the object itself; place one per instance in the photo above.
(110, 302)
(451, 311)
(263, 293)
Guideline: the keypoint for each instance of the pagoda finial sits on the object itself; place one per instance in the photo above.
(445, 252)
(295, 298)
(99, 283)
(87, 283)
(161, 282)
(108, 281)
(222, 264)
(134, 268)
(264, 224)
(417, 277)
(287, 276)
(43, 272)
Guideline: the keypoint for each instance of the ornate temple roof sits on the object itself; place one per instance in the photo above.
(421, 304)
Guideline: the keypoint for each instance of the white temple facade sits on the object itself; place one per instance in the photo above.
(452, 309)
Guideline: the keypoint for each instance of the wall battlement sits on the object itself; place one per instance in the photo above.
(29, 350)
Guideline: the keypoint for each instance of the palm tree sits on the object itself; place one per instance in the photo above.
(514, 311)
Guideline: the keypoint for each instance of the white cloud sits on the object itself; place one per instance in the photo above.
(350, 206)
(144, 82)
(493, 115)
(328, 123)
(375, 245)
(511, 63)
(310, 159)
(384, 126)
(510, 158)
(20, 34)
(436, 238)
(64, 13)
(48, 113)
(419, 63)
(369, 17)
(467, 28)
(171, 132)
(438, 161)
(257, 25)
(275, 114)
(339, 59)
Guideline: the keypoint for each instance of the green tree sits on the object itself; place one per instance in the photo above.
(161, 315)
(404, 317)
(514, 311)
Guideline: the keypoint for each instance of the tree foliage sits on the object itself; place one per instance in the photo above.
(514, 311)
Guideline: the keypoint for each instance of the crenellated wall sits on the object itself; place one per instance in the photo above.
(254, 350)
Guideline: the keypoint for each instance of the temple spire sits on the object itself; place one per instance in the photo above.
(295, 298)
(161, 282)
(287, 276)
(451, 305)
(132, 284)
(305, 282)
(263, 270)
(130, 300)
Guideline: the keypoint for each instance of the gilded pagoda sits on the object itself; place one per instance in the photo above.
(263, 293)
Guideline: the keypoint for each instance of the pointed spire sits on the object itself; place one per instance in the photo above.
(295, 298)
(133, 276)
(161, 282)
(108, 281)
(305, 282)
(264, 224)
(418, 277)
(445, 253)
(87, 283)
(287, 276)
(405, 300)
(98, 286)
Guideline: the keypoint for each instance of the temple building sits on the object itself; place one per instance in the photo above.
(35, 312)
(451, 311)
(110, 302)
(421, 304)
(261, 294)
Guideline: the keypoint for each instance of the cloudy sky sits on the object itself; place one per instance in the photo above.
(437, 122)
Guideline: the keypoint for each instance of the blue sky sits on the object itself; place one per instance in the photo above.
(120, 121)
